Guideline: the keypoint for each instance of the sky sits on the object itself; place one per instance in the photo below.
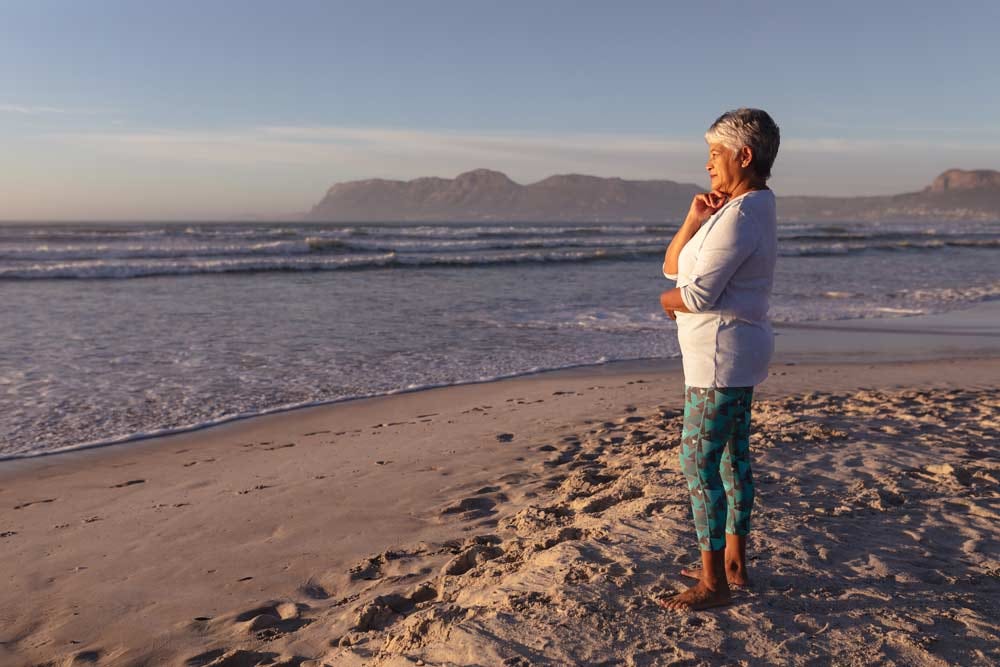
(180, 109)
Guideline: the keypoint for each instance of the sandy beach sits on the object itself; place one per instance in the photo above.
(529, 521)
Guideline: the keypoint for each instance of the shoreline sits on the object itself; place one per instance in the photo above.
(927, 337)
(482, 522)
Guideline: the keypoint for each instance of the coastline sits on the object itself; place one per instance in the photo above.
(962, 334)
(308, 516)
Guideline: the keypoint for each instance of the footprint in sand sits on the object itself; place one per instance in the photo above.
(372, 567)
(272, 619)
(473, 556)
(584, 483)
(472, 508)
(616, 497)
(535, 517)
(384, 611)
(91, 657)
(128, 483)
(563, 457)
(314, 591)
(271, 449)
(515, 477)
(259, 487)
(34, 502)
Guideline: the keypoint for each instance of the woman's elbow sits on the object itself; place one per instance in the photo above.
(694, 301)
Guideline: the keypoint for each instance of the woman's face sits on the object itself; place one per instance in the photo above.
(724, 168)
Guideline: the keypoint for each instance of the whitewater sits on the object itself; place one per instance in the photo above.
(115, 331)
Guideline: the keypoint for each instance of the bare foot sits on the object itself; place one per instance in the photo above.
(735, 577)
(697, 597)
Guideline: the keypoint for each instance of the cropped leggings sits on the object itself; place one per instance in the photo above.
(715, 459)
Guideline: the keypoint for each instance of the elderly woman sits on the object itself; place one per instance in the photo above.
(723, 259)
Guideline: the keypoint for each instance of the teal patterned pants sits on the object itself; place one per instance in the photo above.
(715, 459)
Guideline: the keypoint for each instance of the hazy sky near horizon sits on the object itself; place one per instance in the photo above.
(118, 109)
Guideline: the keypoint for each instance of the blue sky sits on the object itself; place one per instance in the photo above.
(208, 109)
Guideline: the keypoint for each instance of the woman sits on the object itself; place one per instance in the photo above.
(723, 259)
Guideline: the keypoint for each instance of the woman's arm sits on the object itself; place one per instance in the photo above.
(733, 238)
(671, 302)
(702, 207)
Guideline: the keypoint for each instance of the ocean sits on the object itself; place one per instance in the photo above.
(112, 332)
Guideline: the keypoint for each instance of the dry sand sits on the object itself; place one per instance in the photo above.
(520, 522)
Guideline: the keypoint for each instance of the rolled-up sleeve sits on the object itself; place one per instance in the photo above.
(730, 241)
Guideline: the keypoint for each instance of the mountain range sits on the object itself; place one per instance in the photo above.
(486, 195)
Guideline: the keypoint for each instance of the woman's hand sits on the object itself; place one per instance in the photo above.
(705, 204)
(668, 308)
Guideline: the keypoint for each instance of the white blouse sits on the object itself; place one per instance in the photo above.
(725, 274)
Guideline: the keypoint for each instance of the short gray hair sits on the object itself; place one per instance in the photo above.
(748, 127)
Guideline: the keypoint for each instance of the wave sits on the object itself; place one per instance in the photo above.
(101, 251)
(459, 231)
(314, 244)
(338, 243)
(818, 250)
(451, 245)
(939, 295)
(263, 231)
(325, 244)
(137, 269)
(133, 251)
(386, 230)
(328, 254)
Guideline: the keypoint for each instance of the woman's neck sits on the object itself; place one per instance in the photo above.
(749, 185)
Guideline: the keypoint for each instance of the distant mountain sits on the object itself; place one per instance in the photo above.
(954, 195)
(482, 195)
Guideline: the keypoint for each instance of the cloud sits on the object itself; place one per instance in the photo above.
(318, 143)
(310, 145)
(295, 161)
(364, 152)
(42, 110)
(30, 110)
(840, 145)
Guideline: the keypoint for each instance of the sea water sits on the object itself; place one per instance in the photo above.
(109, 332)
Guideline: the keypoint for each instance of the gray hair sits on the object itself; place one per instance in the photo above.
(748, 127)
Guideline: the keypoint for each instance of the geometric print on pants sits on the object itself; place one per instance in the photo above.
(715, 459)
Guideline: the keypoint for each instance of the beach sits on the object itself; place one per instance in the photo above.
(531, 520)
(354, 334)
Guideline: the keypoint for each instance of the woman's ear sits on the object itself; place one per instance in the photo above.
(746, 156)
